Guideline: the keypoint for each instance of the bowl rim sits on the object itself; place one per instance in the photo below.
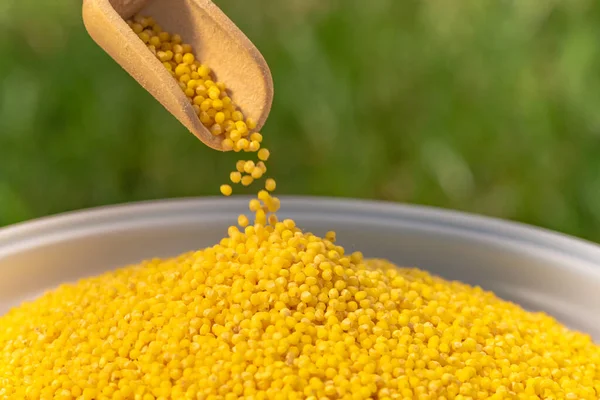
(24, 234)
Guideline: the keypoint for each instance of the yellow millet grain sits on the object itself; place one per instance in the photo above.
(275, 313)
(226, 190)
(270, 184)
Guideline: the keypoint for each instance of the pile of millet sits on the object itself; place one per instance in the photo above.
(273, 312)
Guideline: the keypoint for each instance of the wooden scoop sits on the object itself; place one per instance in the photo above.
(216, 41)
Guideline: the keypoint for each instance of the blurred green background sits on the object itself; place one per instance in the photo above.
(490, 107)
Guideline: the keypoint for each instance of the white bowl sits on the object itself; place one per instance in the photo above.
(538, 269)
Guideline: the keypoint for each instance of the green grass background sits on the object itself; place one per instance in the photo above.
(490, 107)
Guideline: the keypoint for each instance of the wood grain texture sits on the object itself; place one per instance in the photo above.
(216, 40)
(127, 8)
